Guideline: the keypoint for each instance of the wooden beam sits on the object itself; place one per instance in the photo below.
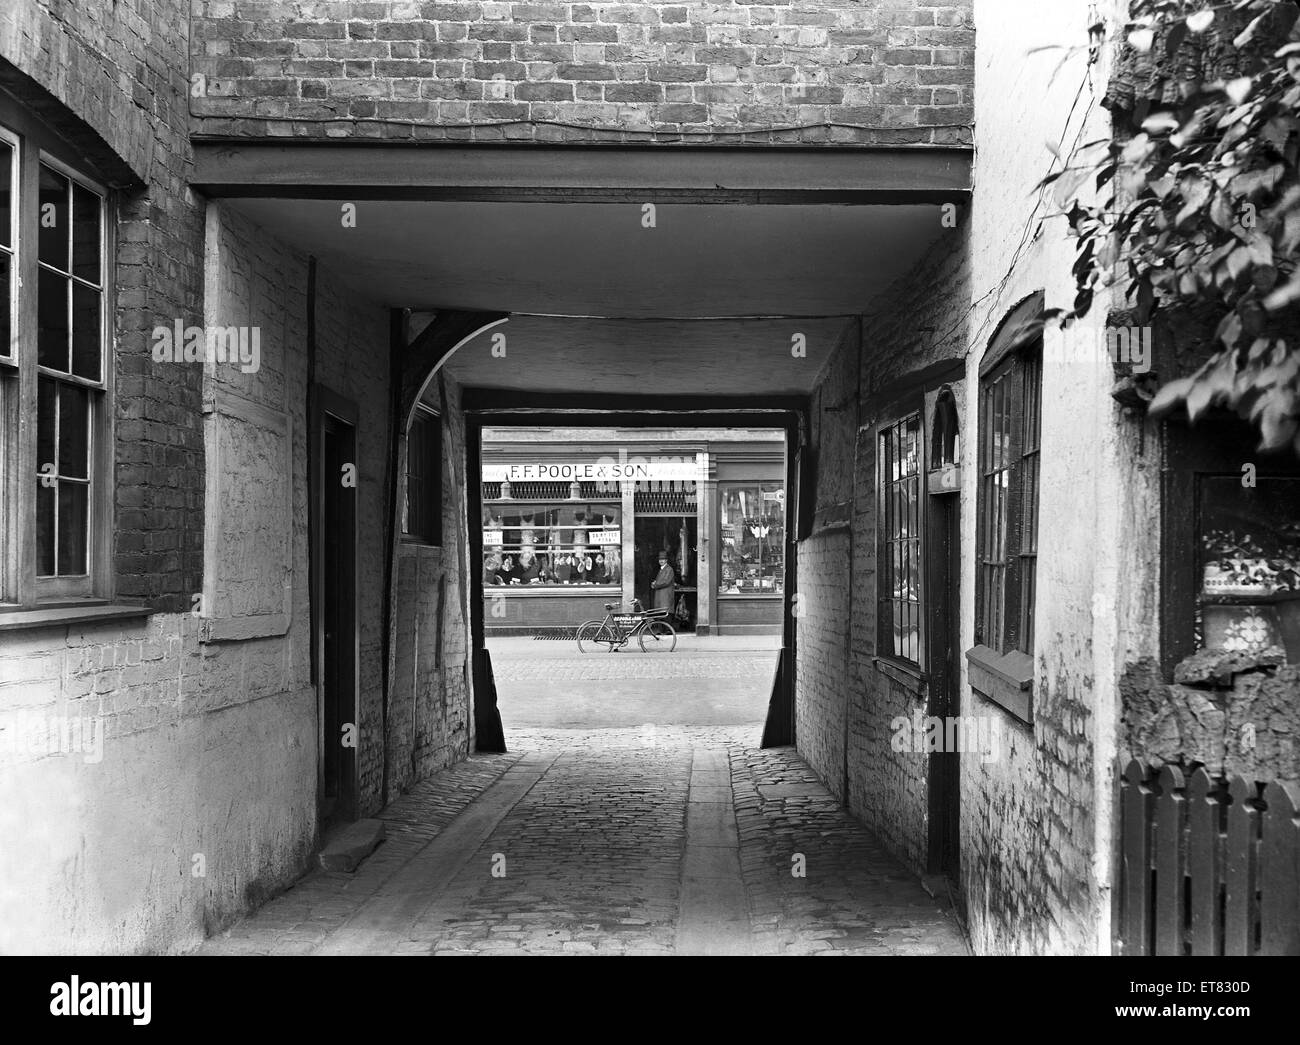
(751, 175)
(632, 410)
(433, 346)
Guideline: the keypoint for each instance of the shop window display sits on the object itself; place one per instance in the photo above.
(1249, 591)
(551, 543)
(752, 532)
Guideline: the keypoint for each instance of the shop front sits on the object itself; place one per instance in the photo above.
(570, 524)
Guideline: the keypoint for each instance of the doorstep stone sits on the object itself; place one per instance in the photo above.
(345, 848)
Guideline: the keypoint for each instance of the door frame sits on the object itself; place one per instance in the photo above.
(492, 408)
(941, 534)
(326, 403)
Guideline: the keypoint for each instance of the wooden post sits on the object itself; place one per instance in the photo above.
(1240, 876)
(1136, 870)
(1204, 845)
(1170, 869)
(1279, 873)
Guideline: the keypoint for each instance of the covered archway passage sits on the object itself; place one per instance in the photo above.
(617, 288)
(661, 282)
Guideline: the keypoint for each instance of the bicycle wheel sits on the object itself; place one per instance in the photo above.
(591, 634)
(661, 635)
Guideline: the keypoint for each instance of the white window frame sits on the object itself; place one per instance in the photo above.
(21, 588)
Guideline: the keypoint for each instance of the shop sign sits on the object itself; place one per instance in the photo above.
(605, 536)
(491, 537)
(606, 470)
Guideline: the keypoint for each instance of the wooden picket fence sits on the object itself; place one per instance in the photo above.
(1206, 865)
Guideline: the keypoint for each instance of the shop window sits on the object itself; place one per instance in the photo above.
(53, 382)
(551, 543)
(1248, 599)
(1007, 503)
(751, 520)
(422, 512)
(1238, 513)
(898, 551)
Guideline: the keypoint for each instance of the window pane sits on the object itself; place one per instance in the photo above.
(44, 529)
(86, 338)
(53, 219)
(85, 234)
(540, 543)
(46, 391)
(52, 308)
(6, 193)
(73, 498)
(899, 542)
(74, 431)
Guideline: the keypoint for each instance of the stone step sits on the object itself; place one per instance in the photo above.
(347, 846)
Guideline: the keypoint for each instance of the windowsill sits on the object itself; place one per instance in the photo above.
(1004, 679)
(419, 542)
(749, 594)
(604, 590)
(906, 674)
(71, 613)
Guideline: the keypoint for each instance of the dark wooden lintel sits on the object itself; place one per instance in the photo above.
(751, 175)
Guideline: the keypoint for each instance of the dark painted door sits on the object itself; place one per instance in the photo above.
(944, 549)
(338, 621)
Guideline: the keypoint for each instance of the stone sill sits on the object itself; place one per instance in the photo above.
(909, 676)
(69, 614)
(604, 591)
(1005, 679)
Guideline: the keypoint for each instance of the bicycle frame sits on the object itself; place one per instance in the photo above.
(615, 623)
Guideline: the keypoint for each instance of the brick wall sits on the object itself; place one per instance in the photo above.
(847, 739)
(1035, 820)
(826, 587)
(149, 842)
(921, 318)
(899, 72)
(429, 709)
(190, 728)
(112, 79)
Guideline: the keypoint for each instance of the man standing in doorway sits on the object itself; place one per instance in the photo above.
(664, 585)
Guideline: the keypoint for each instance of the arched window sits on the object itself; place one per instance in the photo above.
(945, 444)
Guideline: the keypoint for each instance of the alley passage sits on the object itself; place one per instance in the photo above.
(654, 840)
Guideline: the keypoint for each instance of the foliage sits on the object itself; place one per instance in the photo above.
(1201, 207)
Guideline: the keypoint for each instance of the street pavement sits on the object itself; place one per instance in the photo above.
(647, 838)
(551, 684)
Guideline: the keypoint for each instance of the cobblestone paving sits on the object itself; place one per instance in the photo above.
(590, 859)
(298, 920)
(854, 898)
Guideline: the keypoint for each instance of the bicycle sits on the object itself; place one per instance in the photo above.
(653, 632)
